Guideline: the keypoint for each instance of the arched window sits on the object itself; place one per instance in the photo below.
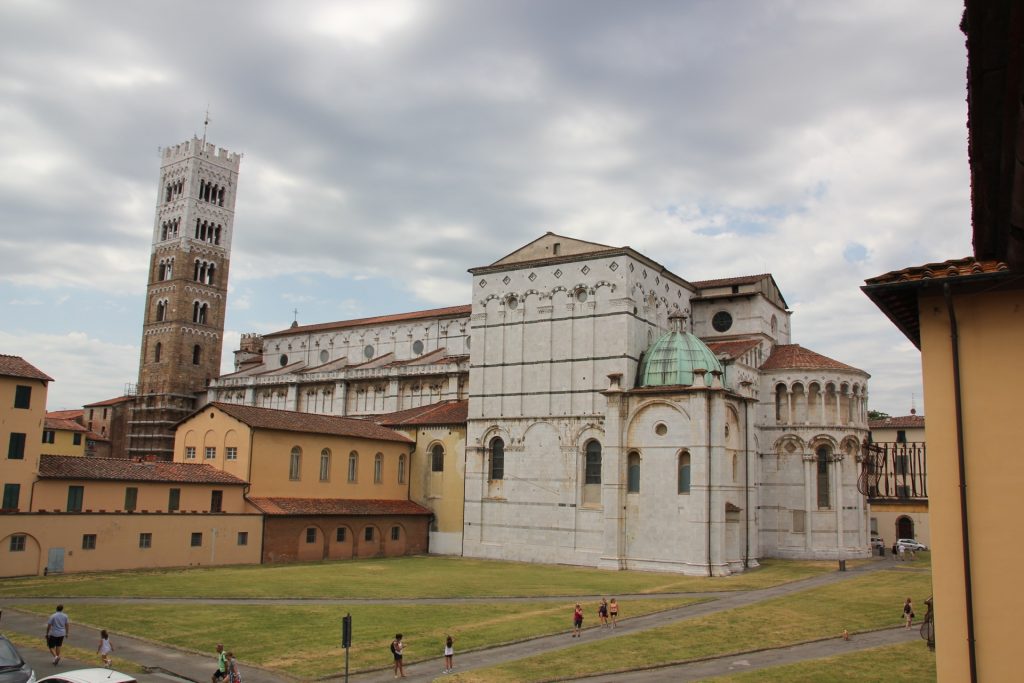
(781, 404)
(169, 273)
(378, 468)
(684, 472)
(497, 464)
(161, 310)
(824, 494)
(216, 239)
(197, 353)
(437, 458)
(401, 469)
(295, 464)
(633, 473)
(202, 314)
(195, 311)
(592, 473)
(325, 464)
(161, 273)
(156, 352)
(353, 466)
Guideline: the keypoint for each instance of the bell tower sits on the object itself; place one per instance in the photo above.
(186, 294)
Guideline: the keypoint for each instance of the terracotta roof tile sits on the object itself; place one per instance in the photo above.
(443, 413)
(901, 422)
(732, 349)
(65, 414)
(16, 366)
(66, 425)
(337, 506)
(945, 269)
(292, 421)
(726, 281)
(109, 402)
(120, 469)
(791, 356)
(449, 312)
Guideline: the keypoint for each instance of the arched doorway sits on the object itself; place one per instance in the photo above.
(905, 527)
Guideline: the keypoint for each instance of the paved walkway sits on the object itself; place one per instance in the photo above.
(198, 666)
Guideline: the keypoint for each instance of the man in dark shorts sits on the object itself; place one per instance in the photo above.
(220, 675)
(58, 627)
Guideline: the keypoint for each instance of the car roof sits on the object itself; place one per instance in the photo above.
(90, 676)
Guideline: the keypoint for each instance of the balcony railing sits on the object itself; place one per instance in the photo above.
(895, 471)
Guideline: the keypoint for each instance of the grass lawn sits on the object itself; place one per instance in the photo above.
(404, 577)
(303, 640)
(23, 642)
(867, 602)
(903, 663)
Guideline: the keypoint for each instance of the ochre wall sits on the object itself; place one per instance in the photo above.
(52, 494)
(914, 434)
(24, 421)
(64, 443)
(117, 541)
(991, 330)
(284, 538)
(443, 492)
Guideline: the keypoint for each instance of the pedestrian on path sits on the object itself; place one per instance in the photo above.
(58, 627)
(602, 612)
(613, 611)
(903, 551)
(397, 646)
(577, 621)
(908, 613)
(234, 676)
(449, 654)
(221, 673)
(105, 648)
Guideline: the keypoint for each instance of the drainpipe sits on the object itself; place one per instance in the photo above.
(707, 401)
(961, 466)
(746, 487)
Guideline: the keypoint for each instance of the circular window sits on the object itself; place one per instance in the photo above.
(417, 347)
(581, 295)
(660, 429)
(324, 356)
(513, 303)
(284, 359)
(722, 321)
(368, 351)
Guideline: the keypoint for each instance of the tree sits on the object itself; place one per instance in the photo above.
(877, 415)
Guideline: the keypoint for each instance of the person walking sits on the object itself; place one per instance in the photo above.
(221, 673)
(449, 654)
(908, 613)
(234, 676)
(58, 627)
(613, 611)
(577, 621)
(602, 612)
(397, 646)
(105, 648)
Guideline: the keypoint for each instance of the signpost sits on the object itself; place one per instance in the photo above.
(346, 638)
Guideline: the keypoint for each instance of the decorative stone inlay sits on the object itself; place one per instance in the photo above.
(657, 280)
(507, 279)
(558, 273)
(533, 276)
(631, 267)
(483, 282)
(613, 266)
(645, 273)
(585, 269)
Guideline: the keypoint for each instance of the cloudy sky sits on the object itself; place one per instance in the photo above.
(389, 145)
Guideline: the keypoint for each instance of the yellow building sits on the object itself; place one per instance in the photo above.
(330, 487)
(899, 494)
(967, 317)
(62, 435)
(22, 411)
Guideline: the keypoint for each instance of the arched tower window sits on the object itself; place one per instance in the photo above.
(633, 473)
(209, 274)
(197, 353)
(156, 352)
(161, 311)
(437, 458)
(824, 492)
(497, 464)
(683, 477)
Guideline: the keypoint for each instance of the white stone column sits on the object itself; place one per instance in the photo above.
(341, 398)
(810, 481)
(613, 472)
(291, 401)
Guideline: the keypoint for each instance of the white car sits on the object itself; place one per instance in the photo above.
(89, 676)
(910, 544)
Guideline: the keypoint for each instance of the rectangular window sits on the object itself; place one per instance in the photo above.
(12, 492)
(901, 436)
(190, 452)
(174, 500)
(88, 541)
(799, 521)
(49, 436)
(22, 396)
(231, 453)
(311, 535)
(396, 532)
(211, 452)
(368, 534)
(17, 543)
(216, 501)
(145, 540)
(16, 447)
(75, 496)
(197, 539)
(76, 439)
(339, 534)
(243, 538)
(131, 498)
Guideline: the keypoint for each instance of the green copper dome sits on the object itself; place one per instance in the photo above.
(672, 359)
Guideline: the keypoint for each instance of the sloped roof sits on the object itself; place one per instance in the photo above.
(337, 506)
(568, 246)
(732, 349)
(727, 281)
(65, 414)
(121, 469)
(109, 402)
(901, 422)
(792, 356)
(448, 312)
(443, 413)
(64, 424)
(292, 421)
(16, 366)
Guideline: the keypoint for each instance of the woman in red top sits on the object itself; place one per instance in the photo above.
(577, 621)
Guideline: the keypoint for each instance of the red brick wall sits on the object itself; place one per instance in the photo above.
(284, 538)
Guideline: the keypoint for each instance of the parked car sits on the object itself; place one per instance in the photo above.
(910, 544)
(13, 669)
(89, 676)
(877, 542)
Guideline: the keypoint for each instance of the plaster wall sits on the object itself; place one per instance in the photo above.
(27, 421)
(109, 496)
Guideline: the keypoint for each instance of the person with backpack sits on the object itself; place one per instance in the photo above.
(397, 645)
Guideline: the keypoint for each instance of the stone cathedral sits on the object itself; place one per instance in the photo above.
(186, 292)
(616, 414)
